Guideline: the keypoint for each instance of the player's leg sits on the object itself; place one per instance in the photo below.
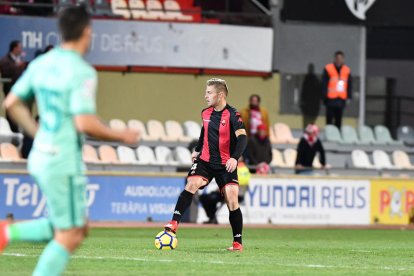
(67, 211)
(33, 230)
(184, 201)
(229, 187)
(231, 195)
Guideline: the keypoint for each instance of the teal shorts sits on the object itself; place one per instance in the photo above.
(66, 199)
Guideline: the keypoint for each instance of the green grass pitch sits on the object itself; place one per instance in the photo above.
(201, 251)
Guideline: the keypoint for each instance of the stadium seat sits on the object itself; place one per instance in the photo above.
(120, 7)
(349, 135)
(173, 10)
(126, 155)
(366, 135)
(336, 160)
(164, 156)
(107, 154)
(140, 127)
(139, 11)
(5, 127)
(183, 156)
(401, 160)
(102, 8)
(89, 154)
(360, 160)
(283, 134)
(277, 159)
(332, 134)
(290, 157)
(192, 129)
(382, 160)
(316, 163)
(156, 131)
(174, 131)
(146, 156)
(383, 136)
(272, 136)
(154, 8)
(117, 124)
(406, 134)
(9, 152)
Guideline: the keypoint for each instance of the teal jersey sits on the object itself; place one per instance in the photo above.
(64, 85)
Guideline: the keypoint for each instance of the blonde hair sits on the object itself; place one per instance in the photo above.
(219, 84)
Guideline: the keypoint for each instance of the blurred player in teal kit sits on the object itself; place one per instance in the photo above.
(64, 86)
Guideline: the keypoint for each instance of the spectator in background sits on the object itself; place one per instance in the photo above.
(310, 96)
(12, 67)
(336, 88)
(254, 115)
(308, 146)
(260, 150)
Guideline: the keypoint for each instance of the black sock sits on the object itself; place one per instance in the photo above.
(236, 222)
(183, 202)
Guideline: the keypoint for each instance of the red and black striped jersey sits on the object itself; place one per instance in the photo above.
(217, 138)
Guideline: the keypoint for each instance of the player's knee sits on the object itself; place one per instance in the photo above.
(71, 239)
(194, 184)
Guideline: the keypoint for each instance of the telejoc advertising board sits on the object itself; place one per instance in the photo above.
(110, 198)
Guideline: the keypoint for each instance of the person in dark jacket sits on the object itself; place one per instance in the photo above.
(310, 97)
(308, 146)
(12, 67)
(260, 150)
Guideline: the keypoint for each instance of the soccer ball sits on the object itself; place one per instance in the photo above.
(166, 240)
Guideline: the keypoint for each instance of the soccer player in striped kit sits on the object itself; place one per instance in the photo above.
(222, 141)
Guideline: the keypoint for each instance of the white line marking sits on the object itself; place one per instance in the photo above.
(393, 268)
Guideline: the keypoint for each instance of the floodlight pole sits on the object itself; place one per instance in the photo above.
(362, 76)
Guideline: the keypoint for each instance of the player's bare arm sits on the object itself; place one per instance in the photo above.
(20, 114)
(91, 125)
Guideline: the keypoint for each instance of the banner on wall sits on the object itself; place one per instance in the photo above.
(116, 198)
(305, 202)
(134, 43)
(392, 201)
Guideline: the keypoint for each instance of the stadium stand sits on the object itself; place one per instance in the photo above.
(192, 129)
(290, 157)
(402, 160)
(164, 156)
(183, 156)
(117, 124)
(120, 7)
(277, 159)
(173, 11)
(139, 11)
(349, 135)
(175, 132)
(89, 154)
(140, 127)
(146, 156)
(9, 152)
(383, 136)
(156, 131)
(366, 135)
(360, 160)
(126, 155)
(107, 154)
(332, 134)
(406, 134)
(283, 134)
(382, 160)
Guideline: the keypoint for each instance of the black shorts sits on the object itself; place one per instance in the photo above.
(208, 171)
